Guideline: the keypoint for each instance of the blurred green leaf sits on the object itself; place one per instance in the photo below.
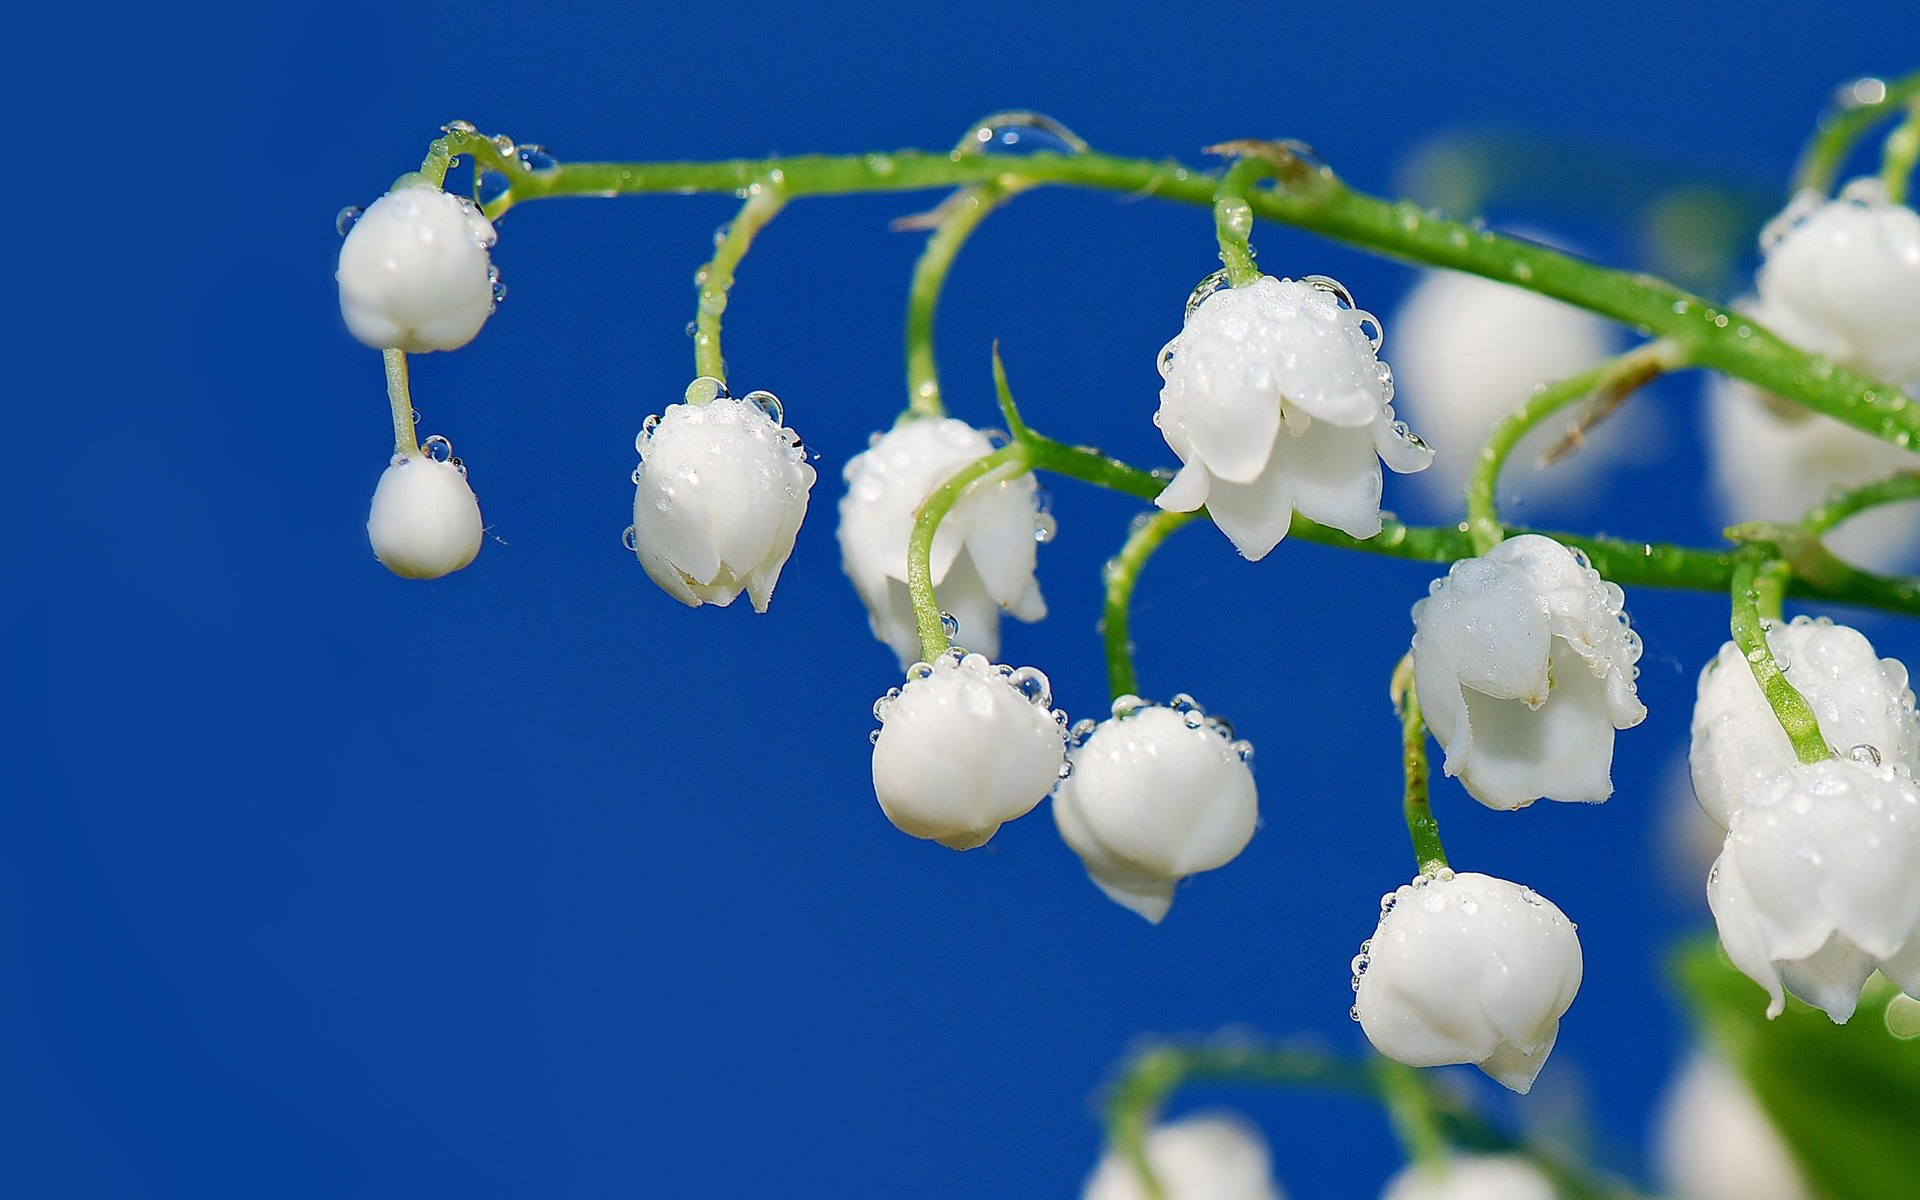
(1845, 1097)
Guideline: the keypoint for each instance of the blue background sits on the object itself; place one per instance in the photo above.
(530, 882)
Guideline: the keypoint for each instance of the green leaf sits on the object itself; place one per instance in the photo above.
(1845, 1097)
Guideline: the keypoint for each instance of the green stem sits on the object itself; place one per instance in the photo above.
(1233, 219)
(1409, 1104)
(405, 438)
(1308, 197)
(1607, 383)
(959, 215)
(1842, 505)
(1008, 462)
(1757, 584)
(1900, 153)
(1841, 127)
(1422, 827)
(1122, 572)
(764, 201)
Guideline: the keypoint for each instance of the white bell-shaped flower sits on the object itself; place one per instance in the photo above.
(718, 499)
(424, 522)
(1275, 400)
(1772, 461)
(1523, 664)
(414, 271)
(1842, 278)
(1466, 968)
(1859, 698)
(1156, 794)
(964, 746)
(983, 554)
(1471, 1177)
(1715, 1143)
(1208, 1157)
(1467, 351)
(1819, 884)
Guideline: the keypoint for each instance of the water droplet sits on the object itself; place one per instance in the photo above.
(437, 448)
(767, 403)
(1206, 287)
(461, 127)
(1354, 1013)
(1863, 753)
(347, 216)
(1126, 705)
(639, 473)
(1243, 750)
(949, 625)
(1033, 686)
(1044, 527)
(1019, 132)
(536, 158)
(1066, 767)
(874, 737)
(1860, 93)
(630, 538)
(1082, 730)
(490, 186)
(1183, 703)
(1332, 287)
(705, 390)
(493, 280)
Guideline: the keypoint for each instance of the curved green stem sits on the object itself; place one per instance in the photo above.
(1840, 506)
(959, 215)
(1233, 219)
(1900, 153)
(1607, 383)
(1008, 462)
(764, 201)
(1307, 196)
(1122, 572)
(1422, 828)
(1409, 1104)
(1840, 127)
(405, 438)
(1758, 582)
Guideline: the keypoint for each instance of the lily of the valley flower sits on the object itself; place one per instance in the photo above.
(965, 745)
(414, 271)
(1275, 400)
(1157, 793)
(1859, 698)
(1214, 1157)
(1715, 1142)
(983, 554)
(424, 522)
(1471, 1177)
(1523, 664)
(718, 499)
(1466, 968)
(1819, 884)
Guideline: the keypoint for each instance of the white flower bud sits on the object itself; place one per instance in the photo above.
(1467, 351)
(1471, 1177)
(1842, 278)
(718, 499)
(1466, 968)
(964, 746)
(414, 271)
(1523, 664)
(1212, 1157)
(1275, 401)
(1772, 461)
(1819, 884)
(1156, 794)
(424, 522)
(983, 553)
(1859, 698)
(1715, 1143)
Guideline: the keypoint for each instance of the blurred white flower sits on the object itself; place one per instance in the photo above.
(1859, 698)
(718, 499)
(983, 554)
(414, 271)
(1467, 351)
(1156, 794)
(965, 745)
(1274, 400)
(1471, 1177)
(1819, 884)
(1466, 968)
(1715, 1143)
(424, 522)
(1523, 664)
(1213, 1157)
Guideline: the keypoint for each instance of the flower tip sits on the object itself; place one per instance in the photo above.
(1149, 898)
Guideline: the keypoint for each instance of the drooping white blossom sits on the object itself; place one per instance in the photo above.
(964, 746)
(424, 521)
(1157, 793)
(414, 271)
(1524, 667)
(1276, 401)
(1819, 884)
(718, 499)
(1714, 1142)
(1466, 968)
(983, 554)
(1468, 350)
(1859, 699)
(1209, 1157)
(1471, 1177)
